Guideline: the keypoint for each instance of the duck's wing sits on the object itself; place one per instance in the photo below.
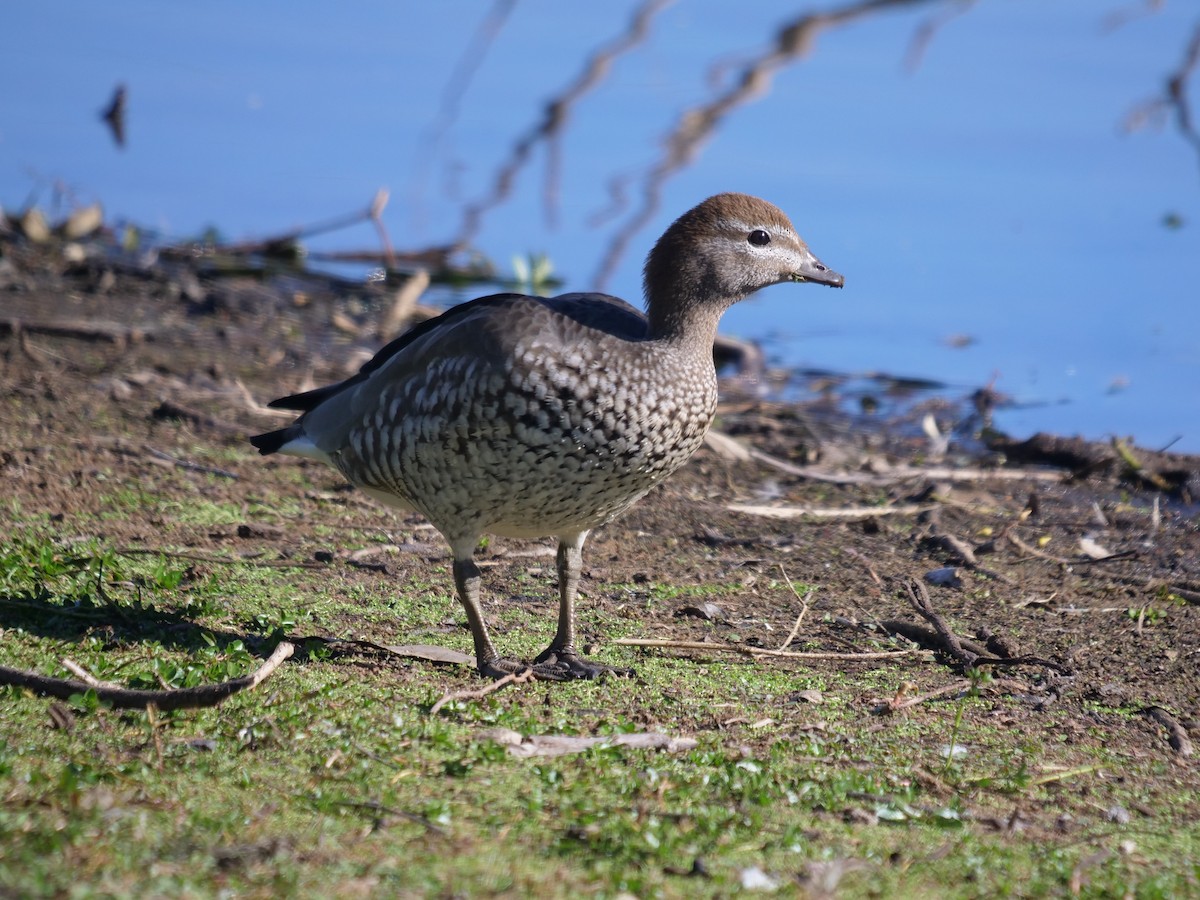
(308, 400)
(444, 350)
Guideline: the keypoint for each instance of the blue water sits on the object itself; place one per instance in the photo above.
(990, 192)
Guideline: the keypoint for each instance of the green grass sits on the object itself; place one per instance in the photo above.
(332, 778)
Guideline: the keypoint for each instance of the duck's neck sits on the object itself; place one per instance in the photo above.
(686, 316)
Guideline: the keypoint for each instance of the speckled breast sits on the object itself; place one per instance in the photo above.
(537, 443)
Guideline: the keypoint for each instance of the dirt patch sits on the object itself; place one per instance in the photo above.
(113, 374)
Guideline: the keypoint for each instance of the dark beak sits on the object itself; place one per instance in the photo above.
(816, 271)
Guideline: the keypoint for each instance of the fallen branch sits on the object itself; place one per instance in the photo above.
(563, 744)
(522, 677)
(726, 447)
(1053, 777)
(1034, 551)
(948, 473)
(1191, 596)
(902, 473)
(252, 405)
(950, 642)
(285, 242)
(754, 651)
(813, 512)
(926, 637)
(1000, 662)
(403, 304)
(87, 331)
(1027, 548)
(127, 698)
(965, 652)
(902, 701)
(426, 652)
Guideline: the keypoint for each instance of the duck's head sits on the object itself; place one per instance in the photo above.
(723, 250)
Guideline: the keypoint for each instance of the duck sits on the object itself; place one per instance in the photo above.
(534, 417)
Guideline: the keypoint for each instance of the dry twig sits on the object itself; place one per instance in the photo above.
(814, 512)
(803, 608)
(403, 305)
(965, 652)
(925, 637)
(902, 701)
(87, 677)
(81, 330)
(188, 464)
(554, 118)
(372, 213)
(754, 652)
(522, 677)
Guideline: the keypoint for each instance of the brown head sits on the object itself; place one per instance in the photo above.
(718, 253)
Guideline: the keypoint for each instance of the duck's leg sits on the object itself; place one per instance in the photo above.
(561, 658)
(467, 580)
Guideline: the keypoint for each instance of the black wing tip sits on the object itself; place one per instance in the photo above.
(271, 441)
(299, 402)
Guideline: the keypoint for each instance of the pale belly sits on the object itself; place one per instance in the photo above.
(553, 448)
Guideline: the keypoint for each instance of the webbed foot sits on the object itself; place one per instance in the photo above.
(570, 666)
(501, 667)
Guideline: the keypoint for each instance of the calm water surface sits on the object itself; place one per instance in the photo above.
(990, 192)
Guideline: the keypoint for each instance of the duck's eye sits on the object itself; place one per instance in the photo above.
(759, 238)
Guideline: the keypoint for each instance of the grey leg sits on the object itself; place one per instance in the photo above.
(561, 659)
(467, 581)
(569, 563)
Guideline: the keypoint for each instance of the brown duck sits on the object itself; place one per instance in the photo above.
(527, 417)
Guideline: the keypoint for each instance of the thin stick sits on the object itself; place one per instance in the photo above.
(895, 704)
(754, 651)
(87, 677)
(525, 675)
(803, 607)
(91, 331)
(371, 214)
(375, 214)
(403, 304)
(902, 473)
(1064, 775)
(857, 512)
(850, 551)
(125, 698)
(188, 464)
